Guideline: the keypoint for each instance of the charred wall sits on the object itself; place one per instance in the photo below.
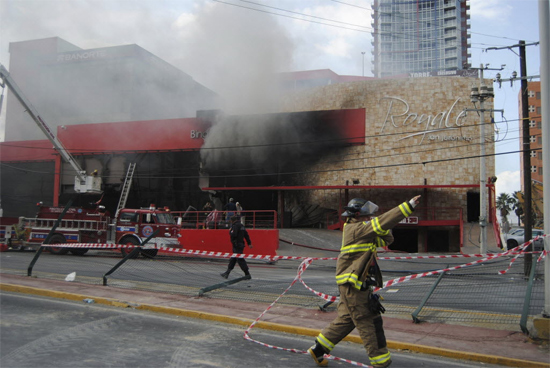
(269, 149)
(23, 184)
(163, 178)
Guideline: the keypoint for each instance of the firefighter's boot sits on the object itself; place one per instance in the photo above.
(247, 275)
(317, 352)
(383, 365)
(225, 274)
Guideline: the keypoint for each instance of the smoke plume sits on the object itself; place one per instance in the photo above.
(268, 144)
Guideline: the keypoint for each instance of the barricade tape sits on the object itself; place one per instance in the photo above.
(306, 262)
(303, 266)
(266, 257)
(334, 299)
(186, 251)
(520, 248)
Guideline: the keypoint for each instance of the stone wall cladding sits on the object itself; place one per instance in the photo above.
(396, 150)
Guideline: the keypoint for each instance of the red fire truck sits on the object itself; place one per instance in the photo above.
(94, 225)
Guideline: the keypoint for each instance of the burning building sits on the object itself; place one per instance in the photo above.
(384, 140)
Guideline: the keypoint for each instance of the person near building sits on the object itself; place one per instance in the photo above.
(230, 208)
(357, 272)
(207, 208)
(240, 213)
(238, 234)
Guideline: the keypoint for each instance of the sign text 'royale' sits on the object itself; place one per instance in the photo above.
(399, 116)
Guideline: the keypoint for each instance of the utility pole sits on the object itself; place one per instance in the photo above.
(480, 95)
(526, 145)
(526, 150)
(483, 95)
(544, 31)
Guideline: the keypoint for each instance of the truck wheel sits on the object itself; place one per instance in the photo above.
(149, 253)
(58, 239)
(129, 241)
(511, 244)
(79, 251)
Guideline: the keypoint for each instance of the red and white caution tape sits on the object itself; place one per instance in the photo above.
(517, 251)
(269, 257)
(303, 266)
(306, 262)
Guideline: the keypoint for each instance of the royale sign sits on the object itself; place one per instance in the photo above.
(434, 127)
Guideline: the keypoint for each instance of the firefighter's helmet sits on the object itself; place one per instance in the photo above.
(359, 207)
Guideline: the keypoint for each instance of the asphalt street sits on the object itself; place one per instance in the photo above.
(41, 332)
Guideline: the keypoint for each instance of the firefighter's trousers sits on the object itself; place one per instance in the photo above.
(353, 311)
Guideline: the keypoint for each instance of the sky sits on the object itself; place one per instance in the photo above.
(221, 43)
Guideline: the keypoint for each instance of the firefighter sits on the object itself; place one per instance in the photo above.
(238, 234)
(357, 272)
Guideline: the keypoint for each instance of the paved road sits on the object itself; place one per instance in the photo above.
(43, 332)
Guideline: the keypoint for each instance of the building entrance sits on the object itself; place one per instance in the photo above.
(405, 240)
(438, 241)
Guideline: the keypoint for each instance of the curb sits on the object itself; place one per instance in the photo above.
(454, 354)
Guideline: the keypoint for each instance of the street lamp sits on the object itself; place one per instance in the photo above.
(363, 53)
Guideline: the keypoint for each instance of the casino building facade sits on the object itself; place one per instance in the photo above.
(381, 139)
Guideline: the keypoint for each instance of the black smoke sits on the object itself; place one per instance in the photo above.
(268, 149)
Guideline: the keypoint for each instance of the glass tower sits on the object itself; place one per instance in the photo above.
(419, 36)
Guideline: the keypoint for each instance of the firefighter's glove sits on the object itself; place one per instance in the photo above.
(250, 246)
(374, 304)
(414, 201)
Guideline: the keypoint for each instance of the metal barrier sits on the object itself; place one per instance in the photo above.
(443, 289)
(47, 240)
(263, 219)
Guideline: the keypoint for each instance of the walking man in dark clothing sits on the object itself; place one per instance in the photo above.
(238, 234)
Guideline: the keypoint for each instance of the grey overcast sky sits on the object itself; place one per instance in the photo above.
(220, 42)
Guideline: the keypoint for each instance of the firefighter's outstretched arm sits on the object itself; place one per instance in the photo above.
(391, 218)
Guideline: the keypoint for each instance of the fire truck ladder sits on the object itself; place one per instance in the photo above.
(126, 188)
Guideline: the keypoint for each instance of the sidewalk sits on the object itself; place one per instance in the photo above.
(484, 345)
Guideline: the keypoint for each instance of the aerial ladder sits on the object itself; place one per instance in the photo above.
(126, 188)
(83, 183)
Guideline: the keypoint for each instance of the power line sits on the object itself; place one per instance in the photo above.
(291, 17)
(305, 15)
(355, 6)
(307, 171)
(76, 149)
(402, 35)
(486, 35)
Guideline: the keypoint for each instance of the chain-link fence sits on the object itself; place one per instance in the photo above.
(490, 292)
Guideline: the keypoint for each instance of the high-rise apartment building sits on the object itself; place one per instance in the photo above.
(419, 36)
(535, 130)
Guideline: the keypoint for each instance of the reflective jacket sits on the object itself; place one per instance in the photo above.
(357, 259)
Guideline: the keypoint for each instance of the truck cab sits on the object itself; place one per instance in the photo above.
(133, 226)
